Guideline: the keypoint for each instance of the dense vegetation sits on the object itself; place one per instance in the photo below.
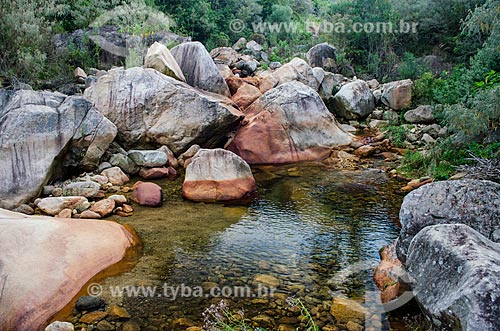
(463, 34)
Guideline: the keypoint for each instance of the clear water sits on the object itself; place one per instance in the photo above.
(308, 225)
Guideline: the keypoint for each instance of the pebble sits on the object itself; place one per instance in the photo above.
(65, 213)
(105, 326)
(89, 303)
(90, 215)
(93, 317)
(117, 313)
(60, 326)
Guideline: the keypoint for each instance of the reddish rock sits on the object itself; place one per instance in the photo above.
(234, 83)
(65, 213)
(254, 81)
(387, 274)
(54, 259)
(90, 215)
(147, 194)
(365, 151)
(116, 176)
(172, 173)
(288, 124)
(414, 184)
(246, 95)
(154, 173)
(104, 207)
(218, 175)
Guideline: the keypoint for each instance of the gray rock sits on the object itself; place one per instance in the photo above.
(426, 138)
(295, 70)
(420, 115)
(274, 65)
(24, 209)
(224, 55)
(188, 154)
(125, 163)
(253, 46)
(60, 326)
(398, 95)
(330, 85)
(162, 111)
(319, 73)
(149, 159)
(199, 68)
(433, 130)
(240, 44)
(85, 189)
(472, 202)
(391, 116)
(247, 68)
(36, 130)
(89, 303)
(103, 166)
(455, 273)
(322, 55)
(354, 101)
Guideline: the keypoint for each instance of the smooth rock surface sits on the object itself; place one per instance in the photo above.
(292, 125)
(295, 70)
(45, 262)
(54, 205)
(471, 202)
(84, 189)
(199, 68)
(162, 111)
(397, 95)
(116, 176)
(36, 128)
(147, 194)
(148, 159)
(323, 56)
(218, 175)
(159, 58)
(354, 101)
(455, 274)
(421, 115)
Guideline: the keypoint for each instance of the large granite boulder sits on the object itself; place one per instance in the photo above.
(150, 108)
(45, 262)
(288, 124)
(323, 56)
(218, 175)
(472, 202)
(455, 274)
(398, 95)
(295, 70)
(159, 57)
(199, 68)
(354, 101)
(36, 130)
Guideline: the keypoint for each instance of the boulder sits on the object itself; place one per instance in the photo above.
(397, 95)
(420, 115)
(147, 194)
(199, 68)
(159, 58)
(36, 129)
(295, 70)
(254, 46)
(46, 261)
(160, 110)
(54, 205)
(154, 173)
(323, 56)
(330, 84)
(125, 163)
(116, 176)
(246, 95)
(354, 101)
(388, 273)
(474, 203)
(218, 175)
(224, 55)
(172, 161)
(148, 159)
(85, 189)
(455, 273)
(90, 141)
(288, 124)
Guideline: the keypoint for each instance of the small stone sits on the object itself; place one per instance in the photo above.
(104, 207)
(89, 303)
(54, 205)
(102, 180)
(127, 208)
(365, 151)
(131, 326)
(65, 213)
(194, 328)
(183, 322)
(117, 313)
(118, 199)
(103, 166)
(346, 310)
(57, 192)
(105, 326)
(286, 327)
(149, 159)
(147, 194)
(60, 326)
(47, 190)
(351, 326)
(87, 214)
(267, 280)
(86, 189)
(126, 189)
(93, 317)
(154, 173)
(428, 139)
(266, 320)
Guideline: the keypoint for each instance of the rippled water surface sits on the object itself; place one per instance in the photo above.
(314, 229)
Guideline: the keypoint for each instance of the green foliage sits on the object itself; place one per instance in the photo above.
(409, 68)
(397, 135)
